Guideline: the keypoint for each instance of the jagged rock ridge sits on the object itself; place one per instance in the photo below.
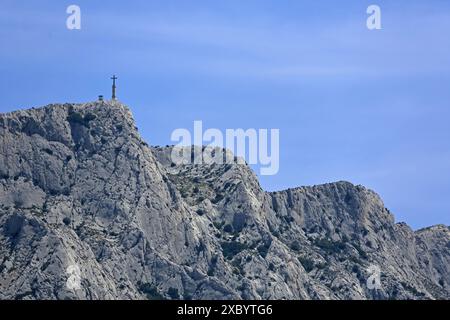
(78, 186)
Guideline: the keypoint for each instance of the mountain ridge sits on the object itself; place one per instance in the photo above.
(79, 186)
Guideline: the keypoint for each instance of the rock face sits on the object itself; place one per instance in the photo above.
(80, 190)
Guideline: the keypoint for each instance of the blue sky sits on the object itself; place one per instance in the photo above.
(370, 107)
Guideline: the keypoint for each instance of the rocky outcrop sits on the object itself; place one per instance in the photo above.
(80, 189)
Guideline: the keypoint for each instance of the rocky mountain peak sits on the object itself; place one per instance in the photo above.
(81, 190)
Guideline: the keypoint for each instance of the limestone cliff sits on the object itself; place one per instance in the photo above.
(79, 187)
